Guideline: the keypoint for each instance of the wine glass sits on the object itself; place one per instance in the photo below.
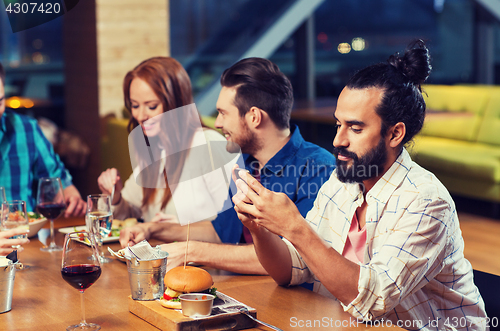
(80, 268)
(14, 216)
(99, 219)
(50, 203)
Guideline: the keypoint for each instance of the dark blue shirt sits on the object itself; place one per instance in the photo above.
(299, 169)
(26, 156)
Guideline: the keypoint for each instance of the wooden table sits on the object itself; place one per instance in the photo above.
(42, 300)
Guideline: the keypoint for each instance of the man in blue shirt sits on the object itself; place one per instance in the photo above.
(254, 109)
(26, 156)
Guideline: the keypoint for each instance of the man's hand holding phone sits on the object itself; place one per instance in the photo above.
(241, 186)
(237, 173)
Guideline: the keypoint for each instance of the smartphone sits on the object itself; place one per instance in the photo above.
(237, 173)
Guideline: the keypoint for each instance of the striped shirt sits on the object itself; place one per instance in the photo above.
(414, 270)
(26, 155)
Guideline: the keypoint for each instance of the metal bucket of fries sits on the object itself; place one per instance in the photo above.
(146, 278)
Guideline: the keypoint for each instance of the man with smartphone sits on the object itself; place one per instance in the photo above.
(254, 109)
(383, 237)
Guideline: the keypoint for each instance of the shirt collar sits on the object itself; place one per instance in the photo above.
(392, 179)
(284, 155)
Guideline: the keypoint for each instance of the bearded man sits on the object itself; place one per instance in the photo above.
(383, 236)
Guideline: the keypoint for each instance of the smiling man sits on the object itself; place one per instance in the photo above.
(383, 236)
(26, 156)
(254, 108)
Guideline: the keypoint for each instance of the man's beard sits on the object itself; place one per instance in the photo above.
(368, 166)
(246, 142)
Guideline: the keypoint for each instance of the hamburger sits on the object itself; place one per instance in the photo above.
(180, 280)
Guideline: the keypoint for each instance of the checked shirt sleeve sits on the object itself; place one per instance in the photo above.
(48, 163)
(300, 271)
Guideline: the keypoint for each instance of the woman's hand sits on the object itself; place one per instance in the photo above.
(132, 235)
(107, 180)
(6, 243)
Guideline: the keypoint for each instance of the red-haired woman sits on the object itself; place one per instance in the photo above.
(171, 150)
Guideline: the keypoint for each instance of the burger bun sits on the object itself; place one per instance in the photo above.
(170, 304)
(188, 279)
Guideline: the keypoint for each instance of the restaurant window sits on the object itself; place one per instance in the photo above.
(34, 65)
(349, 35)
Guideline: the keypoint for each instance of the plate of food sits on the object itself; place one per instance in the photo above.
(114, 235)
(37, 221)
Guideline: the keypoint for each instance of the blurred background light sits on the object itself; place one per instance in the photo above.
(344, 48)
(358, 44)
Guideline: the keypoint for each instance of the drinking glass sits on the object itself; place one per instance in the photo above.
(80, 268)
(50, 203)
(99, 219)
(13, 215)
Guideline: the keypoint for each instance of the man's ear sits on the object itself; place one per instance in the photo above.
(397, 134)
(254, 117)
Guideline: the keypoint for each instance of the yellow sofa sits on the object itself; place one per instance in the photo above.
(460, 140)
(114, 145)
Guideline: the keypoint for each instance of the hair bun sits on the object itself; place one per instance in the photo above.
(415, 64)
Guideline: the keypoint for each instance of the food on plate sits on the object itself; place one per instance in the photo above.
(32, 216)
(118, 225)
(180, 280)
(17, 216)
(119, 254)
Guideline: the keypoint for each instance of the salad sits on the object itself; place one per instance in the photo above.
(33, 216)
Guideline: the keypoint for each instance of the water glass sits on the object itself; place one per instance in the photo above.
(99, 219)
(14, 216)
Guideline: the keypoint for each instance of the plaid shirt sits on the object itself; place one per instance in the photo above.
(26, 155)
(414, 268)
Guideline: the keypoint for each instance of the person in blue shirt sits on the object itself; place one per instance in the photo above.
(26, 156)
(254, 109)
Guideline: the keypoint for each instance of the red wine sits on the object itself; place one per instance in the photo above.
(51, 210)
(81, 276)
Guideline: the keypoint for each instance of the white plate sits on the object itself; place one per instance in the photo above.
(83, 227)
(35, 226)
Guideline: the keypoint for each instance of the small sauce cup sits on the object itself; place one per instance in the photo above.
(196, 304)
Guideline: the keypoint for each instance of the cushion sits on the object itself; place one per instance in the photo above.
(460, 158)
(454, 111)
(489, 131)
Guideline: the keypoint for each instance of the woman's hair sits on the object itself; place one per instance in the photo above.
(171, 84)
(260, 83)
(166, 77)
(400, 78)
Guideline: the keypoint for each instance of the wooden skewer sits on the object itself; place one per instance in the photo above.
(186, 253)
